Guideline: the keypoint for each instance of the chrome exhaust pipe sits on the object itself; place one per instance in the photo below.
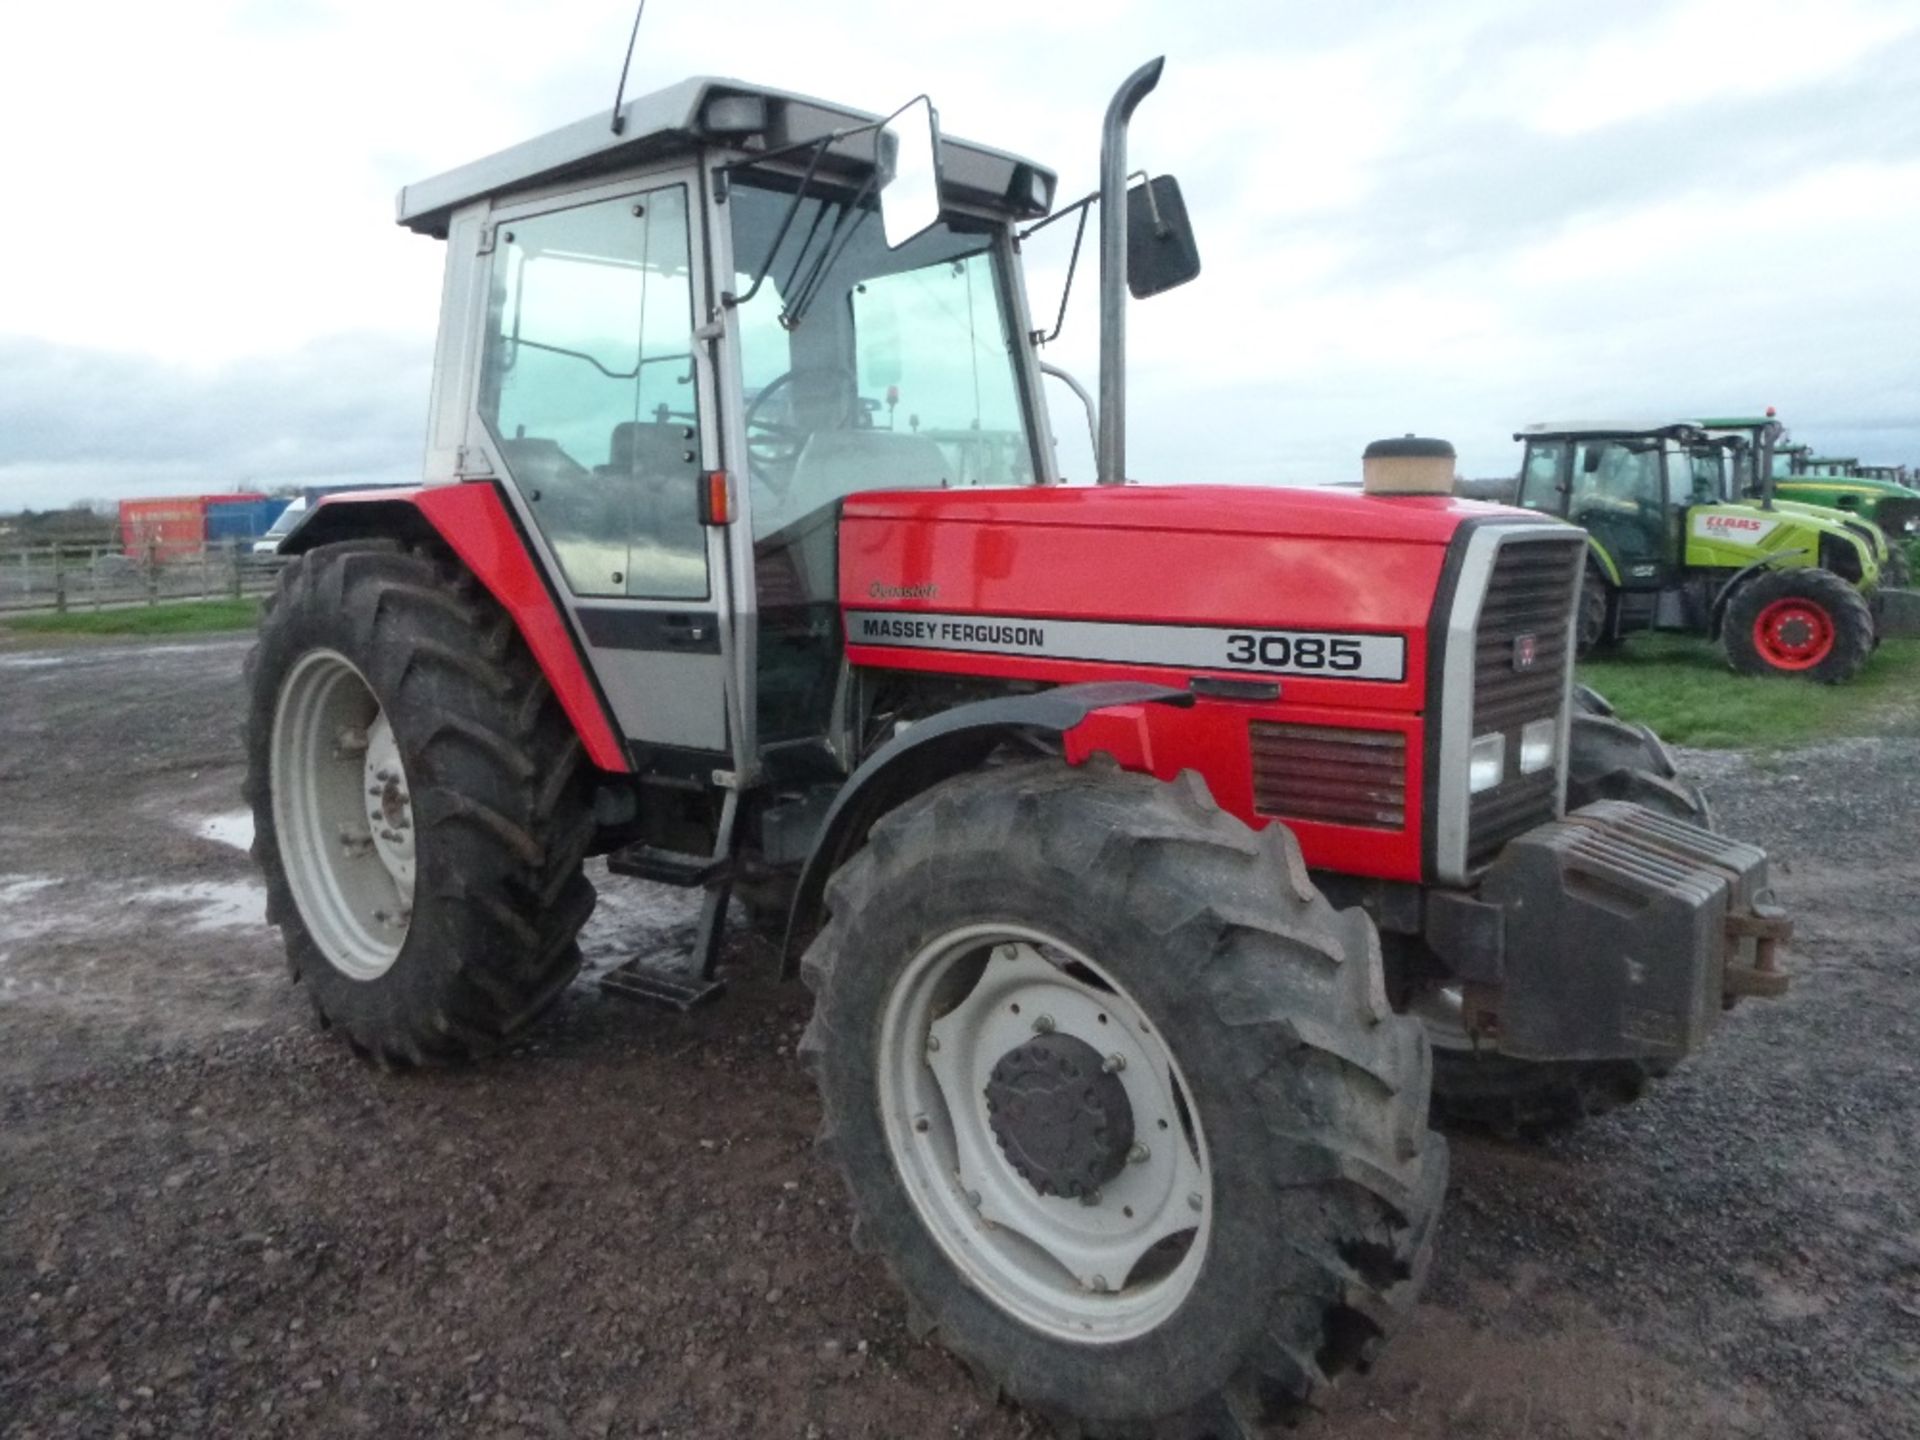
(1112, 460)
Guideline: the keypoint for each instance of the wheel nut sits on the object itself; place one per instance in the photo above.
(1193, 1201)
(1138, 1154)
(1092, 1197)
(973, 1198)
(1114, 1062)
(1007, 952)
(933, 1043)
(1043, 1024)
(1099, 1286)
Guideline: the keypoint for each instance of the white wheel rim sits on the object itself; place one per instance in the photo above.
(343, 813)
(1101, 1269)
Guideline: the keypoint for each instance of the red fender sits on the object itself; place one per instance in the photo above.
(475, 525)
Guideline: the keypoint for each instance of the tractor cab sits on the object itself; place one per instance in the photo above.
(679, 341)
(1628, 486)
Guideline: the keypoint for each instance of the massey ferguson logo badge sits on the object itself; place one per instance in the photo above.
(1526, 651)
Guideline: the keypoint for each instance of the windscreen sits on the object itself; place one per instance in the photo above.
(899, 372)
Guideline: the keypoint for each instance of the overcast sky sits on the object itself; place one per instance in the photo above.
(1450, 217)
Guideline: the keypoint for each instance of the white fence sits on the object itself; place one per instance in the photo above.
(93, 577)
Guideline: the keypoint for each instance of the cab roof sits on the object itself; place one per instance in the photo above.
(705, 110)
(1592, 429)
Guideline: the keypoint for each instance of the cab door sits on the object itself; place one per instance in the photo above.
(1618, 495)
(598, 403)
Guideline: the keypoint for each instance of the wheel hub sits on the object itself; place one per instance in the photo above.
(1060, 1116)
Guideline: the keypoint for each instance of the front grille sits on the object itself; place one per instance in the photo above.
(1529, 602)
(1338, 777)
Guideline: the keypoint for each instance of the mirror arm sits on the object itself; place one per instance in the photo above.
(1112, 450)
(1066, 292)
(732, 301)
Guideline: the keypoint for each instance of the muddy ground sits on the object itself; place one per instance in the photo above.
(213, 1220)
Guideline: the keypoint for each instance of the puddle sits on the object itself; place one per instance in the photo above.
(218, 904)
(234, 828)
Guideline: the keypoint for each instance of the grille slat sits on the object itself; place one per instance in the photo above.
(1531, 591)
(1339, 777)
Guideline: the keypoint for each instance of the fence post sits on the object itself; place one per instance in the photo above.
(233, 569)
(59, 579)
(93, 575)
(153, 571)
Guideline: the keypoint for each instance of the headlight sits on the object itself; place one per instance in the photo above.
(1486, 762)
(1536, 744)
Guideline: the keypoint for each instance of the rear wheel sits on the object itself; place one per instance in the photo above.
(1591, 632)
(419, 809)
(1809, 623)
(1119, 1099)
(1607, 759)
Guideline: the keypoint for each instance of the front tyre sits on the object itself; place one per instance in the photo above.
(418, 802)
(1119, 1099)
(1806, 623)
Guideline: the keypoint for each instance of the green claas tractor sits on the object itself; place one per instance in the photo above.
(1786, 593)
(1724, 465)
(1777, 471)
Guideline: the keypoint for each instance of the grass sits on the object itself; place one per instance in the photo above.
(1681, 686)
(189, 617)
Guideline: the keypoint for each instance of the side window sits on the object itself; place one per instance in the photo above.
(1540, 482)
(588, 387)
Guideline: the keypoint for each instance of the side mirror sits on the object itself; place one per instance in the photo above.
(1160, 249)
(907, 156)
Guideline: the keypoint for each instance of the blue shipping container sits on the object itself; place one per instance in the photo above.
(241, 519)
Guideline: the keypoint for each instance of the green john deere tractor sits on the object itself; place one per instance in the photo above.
(1793, 472)
(1784, 591)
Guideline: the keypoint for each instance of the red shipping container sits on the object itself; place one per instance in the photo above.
(175, 525)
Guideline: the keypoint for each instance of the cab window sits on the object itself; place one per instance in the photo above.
(588, 388)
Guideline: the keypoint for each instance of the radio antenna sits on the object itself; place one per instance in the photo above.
(619, 123)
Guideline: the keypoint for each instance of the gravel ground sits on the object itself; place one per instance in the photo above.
(213, 1220)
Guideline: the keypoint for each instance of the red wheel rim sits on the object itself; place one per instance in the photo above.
(1793, 634)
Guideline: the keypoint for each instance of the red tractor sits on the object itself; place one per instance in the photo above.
(1151, 852)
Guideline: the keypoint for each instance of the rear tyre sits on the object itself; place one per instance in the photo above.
(1806, 623)
(1607, 759)
(419, 805)
(1119, 1100)
(1591, 633)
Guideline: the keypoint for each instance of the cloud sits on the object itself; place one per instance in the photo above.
(79, 423)
(1453, 217)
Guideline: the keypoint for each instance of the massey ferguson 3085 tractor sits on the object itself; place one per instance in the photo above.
(742, 559)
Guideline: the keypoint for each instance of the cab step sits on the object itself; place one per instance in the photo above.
(646, 980)
(669, 867)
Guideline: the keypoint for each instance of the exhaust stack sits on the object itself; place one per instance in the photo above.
(1112, 460)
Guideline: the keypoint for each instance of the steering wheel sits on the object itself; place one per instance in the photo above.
(775, 449)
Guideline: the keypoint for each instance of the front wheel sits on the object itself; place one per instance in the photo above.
(1806, 623)
(1119, 1099)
